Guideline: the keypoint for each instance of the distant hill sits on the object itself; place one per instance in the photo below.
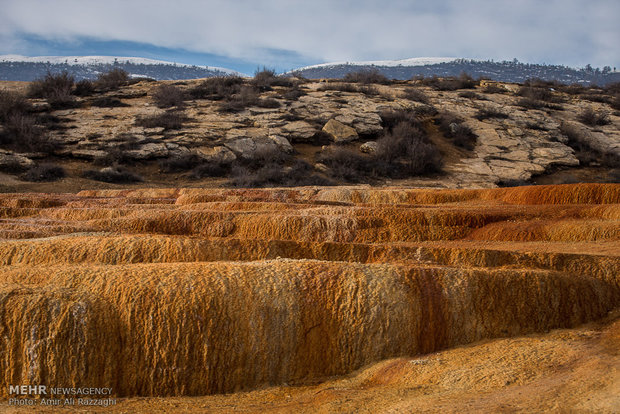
(23, 68)
(506, 71)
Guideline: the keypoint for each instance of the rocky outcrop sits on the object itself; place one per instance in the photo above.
(339, 132)
(12, 161)
(369, 147)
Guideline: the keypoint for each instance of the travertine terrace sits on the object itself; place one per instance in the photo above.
(341, 298)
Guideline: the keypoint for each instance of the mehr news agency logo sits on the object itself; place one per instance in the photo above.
(31, 395)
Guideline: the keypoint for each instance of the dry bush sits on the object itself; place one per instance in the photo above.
(268, 103)
(178, 163)
(168, 120)
(592, 118)
(472, 95)
(265, 79)
(85, 87)
(454, 128)
(583, 151)
(529, 103)
(615, 102)
(108, 102)
(300, 173)
(115, 174)
(246, 97)
(392, 117)
(366, 77)
(217, 88)
(112, 80)
(339, 86)
(414, 94)
(12, 103)
(425, 111)
(56, 89)
(210, 169)
(166, 96)
(464, 81)
(44, 172)
(495, 89)
(294, 93)
(345, 164)
(406, 151)
(489, 112)
(22, 132)
(596, 97)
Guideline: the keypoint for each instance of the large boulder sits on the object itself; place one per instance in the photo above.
(340, 132)
(149, 151)
(298, 131)
(248, 148)
(369, 147)
(282, 143)
(217, 155)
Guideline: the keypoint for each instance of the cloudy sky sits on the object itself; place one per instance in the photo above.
(284, 34)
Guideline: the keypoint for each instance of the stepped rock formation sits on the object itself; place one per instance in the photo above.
(192, 292)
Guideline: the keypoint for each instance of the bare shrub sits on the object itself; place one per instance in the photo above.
(247, 96)
(210, 169)
(166, 96)
(217, 88)
(115, 174)
(84, 87)
(529, 103)
(56, 89)
(406, 151)
(300, 173)
(414, 94)
(345, 164)
(586, 155)
(592, 118)
(268, 103)
(44, 172)
(12, 103)
(488, 112)
(392, 117)
(495, 89)
(454, 128)
(464, 81)
(112, 80)
(294, 93)
(167, 120)
(425, 111)
(471, 95)
(108, 102)
(339, 86)
(265, 79)
(367, 77)
(23, 133)
(178, 163)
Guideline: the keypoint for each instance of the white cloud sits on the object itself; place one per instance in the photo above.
(573, 32)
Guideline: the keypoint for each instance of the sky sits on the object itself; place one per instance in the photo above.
(246, 35)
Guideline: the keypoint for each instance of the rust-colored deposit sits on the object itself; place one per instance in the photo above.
(196, 292)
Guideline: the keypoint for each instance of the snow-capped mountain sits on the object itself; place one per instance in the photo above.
(26, 68)
(421, 61)
(506, 71)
